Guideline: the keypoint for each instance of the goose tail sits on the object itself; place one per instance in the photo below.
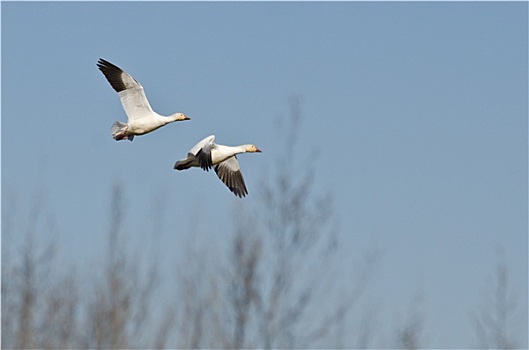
(119, 132)
(183, 164)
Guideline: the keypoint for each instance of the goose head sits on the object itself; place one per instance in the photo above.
(252, 149)
(179, 116)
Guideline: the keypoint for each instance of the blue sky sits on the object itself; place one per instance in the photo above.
(418, 112)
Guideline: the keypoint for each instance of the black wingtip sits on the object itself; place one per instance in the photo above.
(112, 73)
(204, 159)
(239, 194)
(104, 63)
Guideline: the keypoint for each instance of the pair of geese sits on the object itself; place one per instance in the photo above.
(206, 154)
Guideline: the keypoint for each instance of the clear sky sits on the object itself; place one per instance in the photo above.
(418, 111)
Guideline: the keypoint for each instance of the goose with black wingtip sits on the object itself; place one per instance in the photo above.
(141, 117)
(207, 154)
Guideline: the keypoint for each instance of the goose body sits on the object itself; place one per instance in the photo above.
(207, 154)
(141, 117)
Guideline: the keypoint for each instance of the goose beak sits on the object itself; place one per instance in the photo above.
(257, 150)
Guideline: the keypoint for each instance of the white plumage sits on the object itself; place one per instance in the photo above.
(141, 117)
(207, 154)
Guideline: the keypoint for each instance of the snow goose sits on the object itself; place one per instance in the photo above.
(207, 154)
(141, 118)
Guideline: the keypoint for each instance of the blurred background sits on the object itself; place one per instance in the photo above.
(387, 210)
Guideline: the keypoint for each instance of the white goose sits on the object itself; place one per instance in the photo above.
(207, 154)
(141, 118)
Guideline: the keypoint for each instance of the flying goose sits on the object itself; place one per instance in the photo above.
(207, 154)
(141, 118)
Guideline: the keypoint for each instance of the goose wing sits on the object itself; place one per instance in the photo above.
(202, 151)
(131, 92)
(229, 172)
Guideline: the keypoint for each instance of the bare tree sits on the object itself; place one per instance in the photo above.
(199, 297)
(38, 308)
(46, 307)
(244, 284)
(295, 222)
(409, 335)
(497, 318)
(273, 288)
(121, 310)
(282, 292)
